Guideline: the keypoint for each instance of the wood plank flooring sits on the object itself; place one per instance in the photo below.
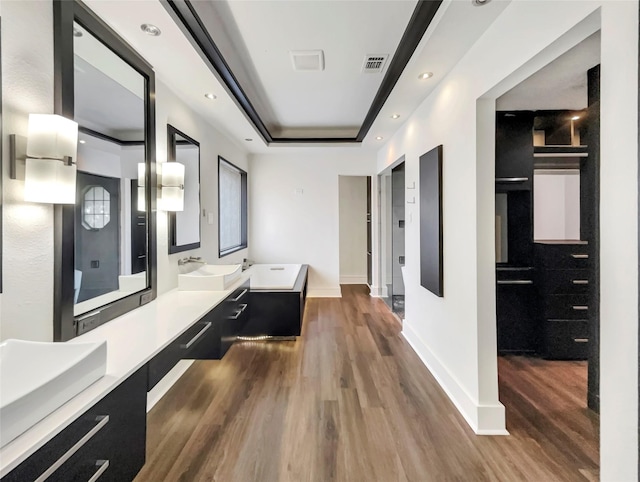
(351, 401)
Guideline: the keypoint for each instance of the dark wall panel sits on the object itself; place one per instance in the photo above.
(431, 275)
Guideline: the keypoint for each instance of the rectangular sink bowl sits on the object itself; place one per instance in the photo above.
(37, 378)
(210, 277)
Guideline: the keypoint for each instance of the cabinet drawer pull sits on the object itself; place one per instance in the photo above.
(581, 340)
(102, 465)
(580, 256)
(580, 307)
(580, 281)
(237, 298)
(512, 179)
(102, 421)
(239, 312)
(515, 282)
(207, 325)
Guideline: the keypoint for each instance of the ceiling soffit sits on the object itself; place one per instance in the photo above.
(249, 97)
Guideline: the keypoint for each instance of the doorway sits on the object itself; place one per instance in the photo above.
(546, 238)
(354, 194)
(392, 239)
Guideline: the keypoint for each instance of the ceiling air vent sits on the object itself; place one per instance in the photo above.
(307, 60)
(374, 63)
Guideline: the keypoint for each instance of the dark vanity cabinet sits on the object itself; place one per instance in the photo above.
(563, 276)
(207, 339)
(235, 315)
(107, 442)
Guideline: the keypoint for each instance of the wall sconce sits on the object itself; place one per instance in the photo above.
(171, 196)
(48, 154)
(170, 186)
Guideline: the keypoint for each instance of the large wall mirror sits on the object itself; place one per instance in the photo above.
(105, 244)
(184, 226)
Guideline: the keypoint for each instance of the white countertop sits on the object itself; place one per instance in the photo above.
(132, 340)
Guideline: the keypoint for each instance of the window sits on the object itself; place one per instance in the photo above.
(96, 212)
(232, 208)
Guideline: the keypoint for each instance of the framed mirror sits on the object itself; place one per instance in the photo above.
(184, 226)
(105, 261)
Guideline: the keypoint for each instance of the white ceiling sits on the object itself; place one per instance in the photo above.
(454, 29)
(255, 37)
(562, 84)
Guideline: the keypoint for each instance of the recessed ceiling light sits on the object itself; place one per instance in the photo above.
(425, 75)
(575, 117)
(150, 29)
(82, 141)
(210, 96)
(479, 3)
(248, 139)
(395, 116)
(77, 32)
(379, 138)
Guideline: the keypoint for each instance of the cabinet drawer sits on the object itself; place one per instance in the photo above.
(563, 256)
(566, 307)
(183, 347)
(108, 439)
(564, 281)
(567, 339)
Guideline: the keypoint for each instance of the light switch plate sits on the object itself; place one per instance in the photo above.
(210, 218)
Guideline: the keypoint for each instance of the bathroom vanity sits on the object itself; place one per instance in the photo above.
(101, 433)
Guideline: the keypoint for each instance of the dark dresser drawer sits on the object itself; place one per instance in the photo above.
(567, 339)
(562, 256)
(187, 345)
(563, 281)
(566, 307)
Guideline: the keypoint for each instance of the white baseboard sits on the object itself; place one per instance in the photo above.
(324, 293)
(483, 419)
(164, 385)
(376, 291)
(353, 279)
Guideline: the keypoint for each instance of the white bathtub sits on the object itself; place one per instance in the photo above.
(273, 276)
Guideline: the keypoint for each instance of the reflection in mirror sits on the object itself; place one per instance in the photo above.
(556, 204)
(184, 226)
(110, 231)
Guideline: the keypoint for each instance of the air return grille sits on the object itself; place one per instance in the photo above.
(374, 63)
(307, 60)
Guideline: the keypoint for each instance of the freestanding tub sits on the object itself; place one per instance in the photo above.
(277, 296)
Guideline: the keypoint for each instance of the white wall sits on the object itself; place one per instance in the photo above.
(352, 194)
(293, 202)
(455, 335)
(27, 250)
(171, 110)
(556, 204)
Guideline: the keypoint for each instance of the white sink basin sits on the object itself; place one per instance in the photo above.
(210, 277)
(37, 378)
(132, 282)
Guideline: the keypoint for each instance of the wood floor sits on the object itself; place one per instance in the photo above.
(350, 401)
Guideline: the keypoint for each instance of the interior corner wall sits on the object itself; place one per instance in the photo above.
(213, 143)
(352, 195)
(456, 335)
(294, 213)
(27, 231)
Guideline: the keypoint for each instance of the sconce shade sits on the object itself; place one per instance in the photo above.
(52, 137)
(171, 199)
(142, 175)
(172, 174)
(172, 187)
(49, 181)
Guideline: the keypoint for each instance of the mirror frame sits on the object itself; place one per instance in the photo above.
(65, 324)
(171, 157)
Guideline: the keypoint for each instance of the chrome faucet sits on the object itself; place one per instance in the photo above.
(191, 259)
